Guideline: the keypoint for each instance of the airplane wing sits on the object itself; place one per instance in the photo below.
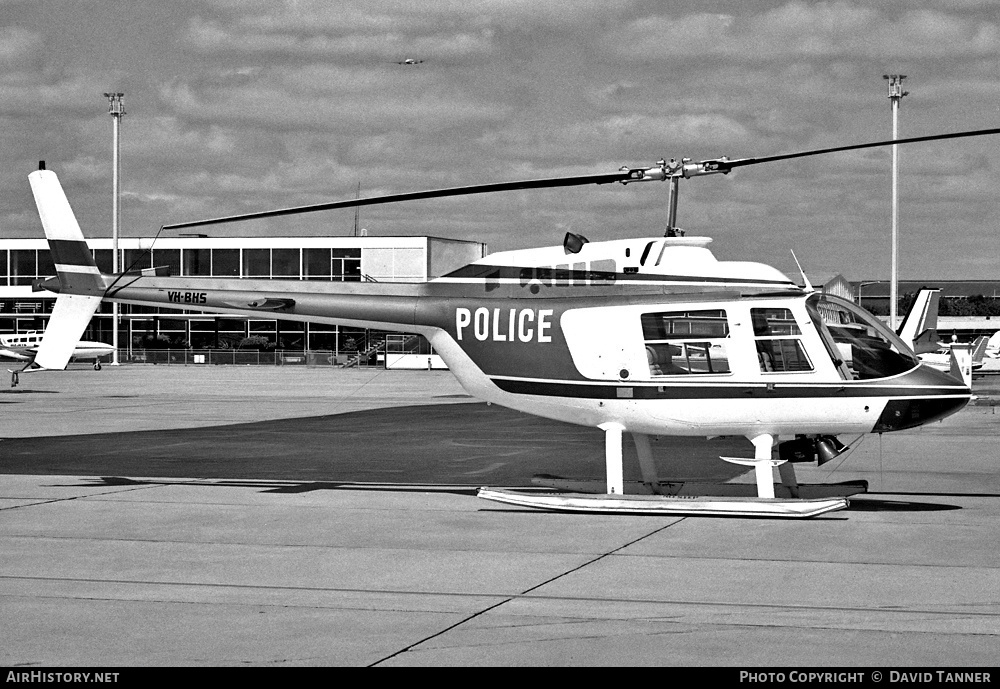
(11, 354)
(979, 349)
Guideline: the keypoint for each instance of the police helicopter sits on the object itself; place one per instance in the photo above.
(646, 336)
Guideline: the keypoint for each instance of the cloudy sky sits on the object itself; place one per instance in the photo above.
(238, 106)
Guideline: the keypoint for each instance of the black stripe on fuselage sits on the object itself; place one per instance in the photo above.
(762, 391)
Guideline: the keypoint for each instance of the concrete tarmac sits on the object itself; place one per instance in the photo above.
(237, 516)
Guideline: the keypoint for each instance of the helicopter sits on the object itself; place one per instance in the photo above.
(645, 336)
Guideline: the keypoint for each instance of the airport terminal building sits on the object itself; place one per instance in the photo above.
(352, 259)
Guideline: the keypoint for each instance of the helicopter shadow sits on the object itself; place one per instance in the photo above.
(465, 444)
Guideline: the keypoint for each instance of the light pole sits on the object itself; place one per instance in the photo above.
(896, 94)
(117, 110)
(865, 284)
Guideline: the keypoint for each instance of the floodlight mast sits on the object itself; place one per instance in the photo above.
(896, 94)
(117, 110)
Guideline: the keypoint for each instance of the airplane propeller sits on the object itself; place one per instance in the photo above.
(671, 171)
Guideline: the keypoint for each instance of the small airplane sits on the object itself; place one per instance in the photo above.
(409, 61)
(24, 347)
(644, 336)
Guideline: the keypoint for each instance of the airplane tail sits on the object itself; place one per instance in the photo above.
(961, 363)
(979, 349)
(919, 327)
(75, 266)
(80, 283)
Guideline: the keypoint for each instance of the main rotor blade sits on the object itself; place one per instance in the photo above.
(740, 162)
(624, 175)
(607, 178)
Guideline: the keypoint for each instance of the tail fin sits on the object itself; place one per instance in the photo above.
(919, 328)
(979, 349)
(75, 266)
(961, 364)
(80, 283)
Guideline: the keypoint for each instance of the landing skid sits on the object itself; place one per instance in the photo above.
(689, 489)
(666, 504)
(651, 496)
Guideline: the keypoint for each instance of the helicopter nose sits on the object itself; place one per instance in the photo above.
(934, 396)
(900, 414)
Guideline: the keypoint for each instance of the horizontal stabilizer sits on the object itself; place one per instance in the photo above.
(154, 272)
(75, 266)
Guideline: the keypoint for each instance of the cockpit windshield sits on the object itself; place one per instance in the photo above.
(861, 346)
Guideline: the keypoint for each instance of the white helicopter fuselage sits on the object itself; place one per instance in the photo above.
(580, 341)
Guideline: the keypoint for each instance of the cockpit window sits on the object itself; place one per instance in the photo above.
(686, 342)
(861, 347)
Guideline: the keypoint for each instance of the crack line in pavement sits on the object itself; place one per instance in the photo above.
(77, 497)
(523, 593)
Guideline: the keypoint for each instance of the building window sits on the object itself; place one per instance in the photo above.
(285, 263)
(226, 262)
(102, 257)
(22, 266)
(316, 263)
(686, 342)
(46, 267)
(171, 258)
(137, 259)
(261, 327)
(197, 261)
(257, 263)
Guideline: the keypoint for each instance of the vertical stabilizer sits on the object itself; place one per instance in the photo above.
(961, 363)
(75, 266)
(919, 328)
(80, 283)
(979, 349)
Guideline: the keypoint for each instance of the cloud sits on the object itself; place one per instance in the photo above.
(806, 30)
(19, 47)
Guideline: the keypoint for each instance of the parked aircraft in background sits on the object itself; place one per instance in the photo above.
(24, 347)
(919, 330)
(993, 346)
